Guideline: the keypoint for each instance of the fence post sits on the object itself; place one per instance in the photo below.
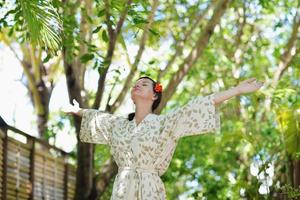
(4, 181)
(32, 158)
(66, 178)
(33, 143)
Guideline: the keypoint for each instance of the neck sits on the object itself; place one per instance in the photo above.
(141, 111)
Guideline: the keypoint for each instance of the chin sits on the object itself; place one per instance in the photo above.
(132, 98)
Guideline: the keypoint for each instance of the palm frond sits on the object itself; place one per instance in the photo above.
(42, 22)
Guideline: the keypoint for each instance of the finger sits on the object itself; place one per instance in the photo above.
(75, 103)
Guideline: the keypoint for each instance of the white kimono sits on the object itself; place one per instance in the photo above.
(143, 152)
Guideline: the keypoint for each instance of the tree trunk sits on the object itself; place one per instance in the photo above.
(296, 173)
(39, 95)
(84, 172)
(42, 118)
(42, 126)
(102, 180)
(85, 151)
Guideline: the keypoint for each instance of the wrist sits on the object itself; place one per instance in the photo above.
(78, 112)
(237, 90)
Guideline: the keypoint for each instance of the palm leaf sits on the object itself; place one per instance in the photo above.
(42, 22)
(289, 121)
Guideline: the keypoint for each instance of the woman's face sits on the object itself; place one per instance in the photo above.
(143, 89)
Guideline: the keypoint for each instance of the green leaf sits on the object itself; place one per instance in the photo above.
(95, 64)
(100, 70)
(154, 32)
(11, 31)
(86, 15)
(104, 36)
(86, 57)
(117, 4)
(139, 20)
(104, 63)
(42, 22)
(97, 29)
(48, 57)
(101, 13)
(151, 62)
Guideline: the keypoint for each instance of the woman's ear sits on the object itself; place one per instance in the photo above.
(155, 96)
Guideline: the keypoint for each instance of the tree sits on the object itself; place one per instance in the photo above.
(39, 21)
(212, 45)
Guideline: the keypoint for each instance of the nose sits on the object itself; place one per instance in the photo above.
(136, 86)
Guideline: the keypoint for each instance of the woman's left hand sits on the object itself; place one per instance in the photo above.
(249, 85)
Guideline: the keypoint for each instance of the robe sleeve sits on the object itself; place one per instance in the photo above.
(198, 116)
(96, 126)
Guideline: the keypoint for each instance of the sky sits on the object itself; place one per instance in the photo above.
(16, 108)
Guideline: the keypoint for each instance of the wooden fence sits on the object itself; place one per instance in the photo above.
(33, 169)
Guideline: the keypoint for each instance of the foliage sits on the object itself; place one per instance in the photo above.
(291, 192)
(251, 157)
(36, 20)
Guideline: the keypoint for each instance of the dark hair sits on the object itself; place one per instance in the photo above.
(155, 103)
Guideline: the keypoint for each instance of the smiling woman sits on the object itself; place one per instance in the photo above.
(143, 143)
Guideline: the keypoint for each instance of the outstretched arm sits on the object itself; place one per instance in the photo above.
(247, 86)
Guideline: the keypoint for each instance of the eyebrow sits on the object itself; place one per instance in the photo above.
(143, 81)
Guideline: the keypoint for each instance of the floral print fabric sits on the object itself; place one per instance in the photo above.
(143, 151)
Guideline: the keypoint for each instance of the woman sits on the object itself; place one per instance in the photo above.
(143, 143)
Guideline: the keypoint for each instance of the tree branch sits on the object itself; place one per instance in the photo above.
(107, 15)
(7, 43)
(109, 55)
(179, 45)
(122, 18)
(133, 70)
(34, 63)
(194, 54)
(289, 53)
(125, 50)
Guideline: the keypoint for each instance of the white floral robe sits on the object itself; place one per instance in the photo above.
(143, 152)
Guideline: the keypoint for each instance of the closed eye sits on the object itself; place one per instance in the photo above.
(142, 85)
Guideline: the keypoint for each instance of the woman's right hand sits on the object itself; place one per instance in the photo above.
(72, 109)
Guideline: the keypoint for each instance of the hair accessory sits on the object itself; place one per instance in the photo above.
(158, 87)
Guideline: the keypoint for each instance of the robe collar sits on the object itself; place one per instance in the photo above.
(148, 117)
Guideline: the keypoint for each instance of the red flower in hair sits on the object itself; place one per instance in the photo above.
(158, 87)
